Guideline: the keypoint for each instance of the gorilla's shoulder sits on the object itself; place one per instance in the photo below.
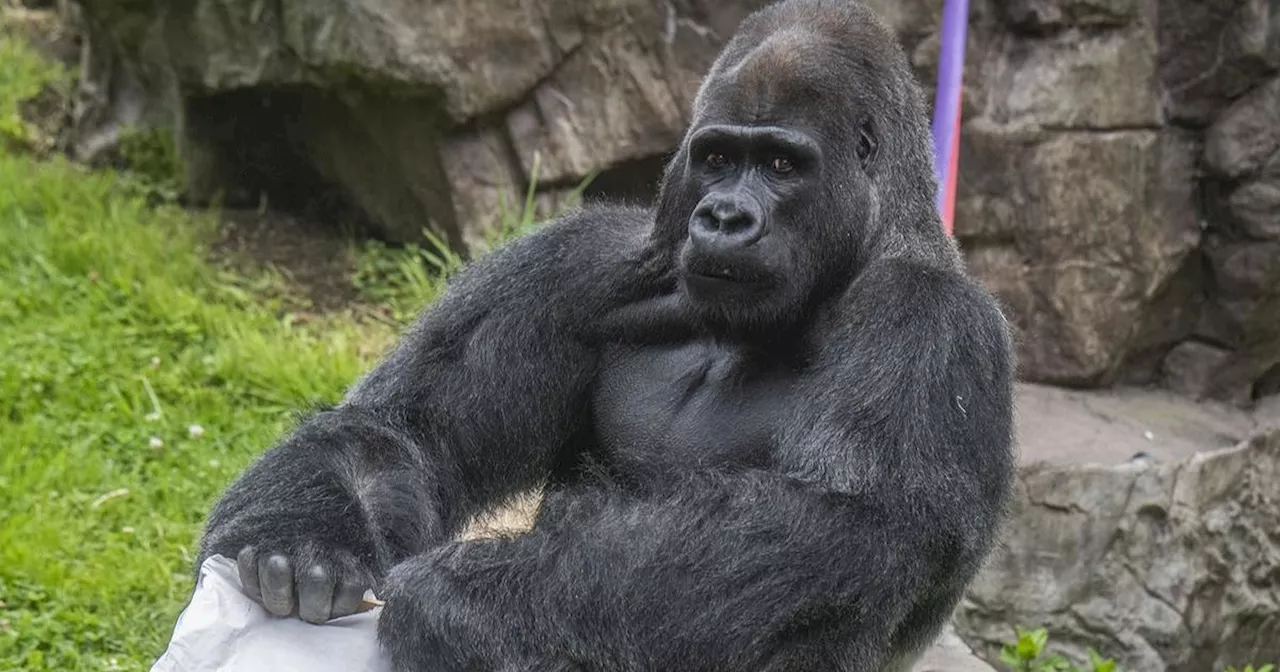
(581, 235)
(597, 217)
(924, 287)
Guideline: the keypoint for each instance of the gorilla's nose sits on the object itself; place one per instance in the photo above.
(725, 223)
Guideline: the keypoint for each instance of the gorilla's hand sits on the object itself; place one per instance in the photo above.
(309, 552)
(310, 526)
(317, 584)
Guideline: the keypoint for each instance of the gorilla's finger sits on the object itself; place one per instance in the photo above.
(277, 584)
(315, 594)
(346, 600)
(247, 564)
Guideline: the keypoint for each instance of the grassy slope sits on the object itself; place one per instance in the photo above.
(116, 337)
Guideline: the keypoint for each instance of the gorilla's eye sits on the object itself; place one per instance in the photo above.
(866, 145)
(717, 160)
(782, 164)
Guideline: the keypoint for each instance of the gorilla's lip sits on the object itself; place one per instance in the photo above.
(723, 273)
(725, 268)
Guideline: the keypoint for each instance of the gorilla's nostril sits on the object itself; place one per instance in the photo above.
(730, 218)
(722, 222)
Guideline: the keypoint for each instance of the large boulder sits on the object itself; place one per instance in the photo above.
(1242, 154)
(1144, 527)
(1084, 201)
(414, 114)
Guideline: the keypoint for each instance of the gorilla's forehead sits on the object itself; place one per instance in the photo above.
(797, 69)
(781, 77)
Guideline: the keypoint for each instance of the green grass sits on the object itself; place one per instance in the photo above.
(137, 379)
(116, 339)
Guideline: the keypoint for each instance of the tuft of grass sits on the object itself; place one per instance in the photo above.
(152, 159)
(408, 277)
(1028, 653)
(24, 75)
(404, 279)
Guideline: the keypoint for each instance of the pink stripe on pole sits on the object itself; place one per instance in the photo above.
(953, 176)
(946, 116)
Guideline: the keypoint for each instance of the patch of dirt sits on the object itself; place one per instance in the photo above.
(317, 263)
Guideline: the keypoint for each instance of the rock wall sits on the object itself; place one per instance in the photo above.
(1120, 160)
(1166, 566)
(1117, 166)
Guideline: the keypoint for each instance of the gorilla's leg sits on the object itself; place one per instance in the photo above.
(747, 572)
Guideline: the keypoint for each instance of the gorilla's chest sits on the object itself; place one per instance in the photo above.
(689, 405)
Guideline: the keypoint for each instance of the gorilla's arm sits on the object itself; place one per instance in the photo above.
(890, 487)
(476, 402)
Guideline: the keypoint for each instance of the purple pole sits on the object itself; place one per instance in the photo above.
(946, 113)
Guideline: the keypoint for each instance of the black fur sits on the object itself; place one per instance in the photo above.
(797, 466)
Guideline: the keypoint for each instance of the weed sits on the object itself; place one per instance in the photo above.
(1027, 654)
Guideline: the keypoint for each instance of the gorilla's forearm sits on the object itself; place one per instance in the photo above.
(345, 479)
(476, 402)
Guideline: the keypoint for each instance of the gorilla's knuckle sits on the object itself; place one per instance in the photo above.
(318, 575)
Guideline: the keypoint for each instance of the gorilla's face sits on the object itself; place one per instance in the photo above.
(808, 155)
(743, 234)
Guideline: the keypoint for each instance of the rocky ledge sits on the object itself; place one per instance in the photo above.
(1145, 526)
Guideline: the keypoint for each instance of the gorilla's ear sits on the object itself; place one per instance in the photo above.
(868, 146)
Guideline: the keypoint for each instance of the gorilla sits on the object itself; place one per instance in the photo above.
(771, 414)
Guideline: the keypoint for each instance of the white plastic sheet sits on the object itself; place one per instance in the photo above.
(223, 630)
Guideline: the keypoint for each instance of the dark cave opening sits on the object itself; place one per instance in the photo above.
(243, 150)
(635, 181)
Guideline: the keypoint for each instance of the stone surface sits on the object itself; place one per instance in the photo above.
(606, 96)
(583, 85)
(1189, 367)
(1096, 255)
(1256, 206)
(1083, 199)
(1057, 426)
(1214, 51)
(484, 182)
(1112, 77)
(951, 654)
(1046, 16)
(1120, 163)
(1166, 566)
(1246, 136)
(1167, 563)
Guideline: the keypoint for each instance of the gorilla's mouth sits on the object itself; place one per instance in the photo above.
(719, 273)
(722, 269)
(706, 272)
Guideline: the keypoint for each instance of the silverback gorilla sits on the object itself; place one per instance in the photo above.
(771, 415)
